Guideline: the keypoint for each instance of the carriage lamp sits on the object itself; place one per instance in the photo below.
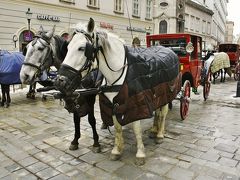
(29, 17)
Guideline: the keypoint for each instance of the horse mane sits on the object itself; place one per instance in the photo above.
(103, 34)
(58, 42)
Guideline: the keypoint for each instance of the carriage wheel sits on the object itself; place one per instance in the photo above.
(184, 101)
(236, 74)
(206, 86)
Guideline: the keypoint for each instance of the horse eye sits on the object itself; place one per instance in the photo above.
(81, 49)
(40, 48)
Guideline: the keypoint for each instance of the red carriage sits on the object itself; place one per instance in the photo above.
(189, 50)
(233, 52)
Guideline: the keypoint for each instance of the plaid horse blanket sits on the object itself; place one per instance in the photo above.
(221, 60)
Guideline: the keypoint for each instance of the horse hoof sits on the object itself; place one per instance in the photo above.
(73, 147)
(152, 135)
(140, 161)
(115, 157)
(7, 105)
(159, 140)
(96, 149)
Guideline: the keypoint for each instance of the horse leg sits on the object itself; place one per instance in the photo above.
(154, 128)
(92, 122)
(118, 144)
(140, 156)
(77, 135)
(8, 98)
(161, 123)
(3, 95)
(31, 92)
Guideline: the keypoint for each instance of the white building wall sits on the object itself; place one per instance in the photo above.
(13, 18)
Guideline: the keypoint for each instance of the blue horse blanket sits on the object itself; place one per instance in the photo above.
(10, 66)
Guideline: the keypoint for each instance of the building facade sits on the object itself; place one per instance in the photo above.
(128, 19)
(229, 32)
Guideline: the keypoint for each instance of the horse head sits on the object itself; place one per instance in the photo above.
(38, 56)
(79, 58)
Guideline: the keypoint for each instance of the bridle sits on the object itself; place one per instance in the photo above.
(41, 68)
(91, 53)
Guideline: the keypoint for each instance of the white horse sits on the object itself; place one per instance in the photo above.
(109, 51)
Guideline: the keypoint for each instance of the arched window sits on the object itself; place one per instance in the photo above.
(163, 27)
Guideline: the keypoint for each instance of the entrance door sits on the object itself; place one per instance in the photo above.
(24, 38)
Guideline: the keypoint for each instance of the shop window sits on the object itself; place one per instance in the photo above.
(118, 6)
(93, 3)
(136, 8)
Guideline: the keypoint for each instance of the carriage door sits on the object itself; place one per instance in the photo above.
(195, 61)
(24, 38)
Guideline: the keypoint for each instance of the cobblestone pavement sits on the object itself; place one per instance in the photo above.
(35, 136)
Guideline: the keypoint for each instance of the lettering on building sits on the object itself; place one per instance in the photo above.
(48, 17)
(106, 25)
(136, 29)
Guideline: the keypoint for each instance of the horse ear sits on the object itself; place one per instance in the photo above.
(41, 29)
(91, 25)
(51, 32)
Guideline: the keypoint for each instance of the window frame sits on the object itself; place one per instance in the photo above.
(137, 3)
(148, 10)
(118, 6)
(93, 3)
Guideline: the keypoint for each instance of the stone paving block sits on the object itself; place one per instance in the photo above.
(226, 154)
(13, 167)
(210, 156)
(129, 172)
(205, 177)
(3, 172)
(92, 158)
(60, 177)
(227, 162)
(52, 140)
(47, 173)
(44, 157)
(109, 166)
(65, 168)
(66, 158)
(21, 173)
(180, 173)
(157, 166)
(226, 148)
(230, 177)
(34, 168)
(151, 176)
(193, 153)
(28, 161)
(79, 152)
(55, 163)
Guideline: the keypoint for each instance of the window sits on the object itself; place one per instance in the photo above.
(203, 26)
(68, 1)
(136, 8)
(163, 27)
(148, 9)
(118, 6)
(93, 3)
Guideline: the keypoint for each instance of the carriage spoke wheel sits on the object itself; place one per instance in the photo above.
(206, 86)
(185, 99)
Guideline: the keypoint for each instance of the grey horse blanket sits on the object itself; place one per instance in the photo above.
(152, 80)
